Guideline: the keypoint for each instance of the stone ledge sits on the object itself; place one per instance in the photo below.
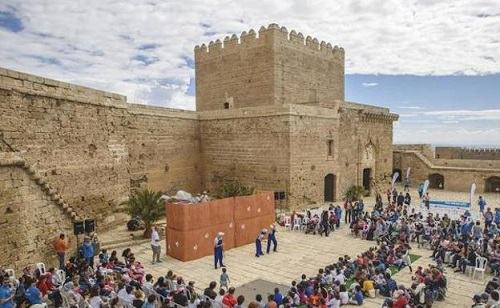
(270, 111)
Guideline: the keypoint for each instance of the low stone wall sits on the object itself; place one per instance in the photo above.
(458, 177)
(468, 153)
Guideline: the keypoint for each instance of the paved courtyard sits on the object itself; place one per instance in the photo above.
(299, 253)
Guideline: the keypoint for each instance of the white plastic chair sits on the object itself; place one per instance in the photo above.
(447, 257)
(305, 221)
(41, 268)
(62, 275)
(480, 267)
(288, 223)
(296, 223)
(11, 273)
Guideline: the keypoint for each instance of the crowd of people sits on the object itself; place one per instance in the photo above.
(97, 279)
(113, 281)
(461, 244)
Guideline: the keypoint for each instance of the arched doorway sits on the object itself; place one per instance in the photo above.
(492, 184)
(436, 181)
(367, 178)
(330, 180)
(399, 179)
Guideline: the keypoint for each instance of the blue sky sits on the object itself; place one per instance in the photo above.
(436, 63)
(443, 110)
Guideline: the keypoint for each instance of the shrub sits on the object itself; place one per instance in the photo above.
(354, 193)
(148, 206)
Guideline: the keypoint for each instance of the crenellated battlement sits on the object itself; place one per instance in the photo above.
(271, 66)
(266, 36)
(480, 150)
(468, 153)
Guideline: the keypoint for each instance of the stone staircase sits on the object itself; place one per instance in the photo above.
(12, 159)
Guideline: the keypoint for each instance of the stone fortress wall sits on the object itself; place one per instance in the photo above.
(452, 173)
(270, 113)
(92, 146)
(84, 150)
(467, 153)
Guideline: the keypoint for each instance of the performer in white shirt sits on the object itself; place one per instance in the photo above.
(155, 245)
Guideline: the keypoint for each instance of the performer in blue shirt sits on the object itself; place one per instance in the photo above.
(258, 243)
(218, 250)
(271, 237)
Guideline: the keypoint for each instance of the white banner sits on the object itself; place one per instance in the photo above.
(426, 186)
(472, 191)
(408, 173)
(394, 178)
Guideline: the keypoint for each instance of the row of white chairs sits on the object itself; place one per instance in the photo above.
(298, 223)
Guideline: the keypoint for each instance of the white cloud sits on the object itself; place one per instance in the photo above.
(463, 115)
(410, 107)
(369, 84)
(443, 135)
(144, 49)
(452, 127)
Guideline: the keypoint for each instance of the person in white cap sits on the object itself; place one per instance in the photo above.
(155, 245)
(258, 243)
(218, 248)
(271, 237)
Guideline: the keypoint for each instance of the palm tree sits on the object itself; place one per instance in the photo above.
(148, 206)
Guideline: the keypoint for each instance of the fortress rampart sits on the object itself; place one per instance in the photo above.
(275, 67)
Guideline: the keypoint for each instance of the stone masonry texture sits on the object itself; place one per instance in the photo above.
(270, 113)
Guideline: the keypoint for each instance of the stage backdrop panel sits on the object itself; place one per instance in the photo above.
(183, 216)
(194, 244)
(191, 228)
(221, 211)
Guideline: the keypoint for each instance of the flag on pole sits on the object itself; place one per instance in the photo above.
(408, 173)
(394, 179)
(472, 191)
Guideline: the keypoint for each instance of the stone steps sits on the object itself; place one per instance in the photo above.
(123, 243)
(11, 158)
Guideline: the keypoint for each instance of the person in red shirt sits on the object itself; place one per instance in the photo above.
(229, 300)
(44, 285)
(400, 300)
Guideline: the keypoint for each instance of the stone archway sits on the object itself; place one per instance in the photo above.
(492, 184)
(330, 187)
(368, 164)
(399, 179)
(436, 181)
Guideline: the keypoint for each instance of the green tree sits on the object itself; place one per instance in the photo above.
(353, 193)
(233, 188)
(148, 206)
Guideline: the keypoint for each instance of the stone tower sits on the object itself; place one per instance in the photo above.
(276, 67)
